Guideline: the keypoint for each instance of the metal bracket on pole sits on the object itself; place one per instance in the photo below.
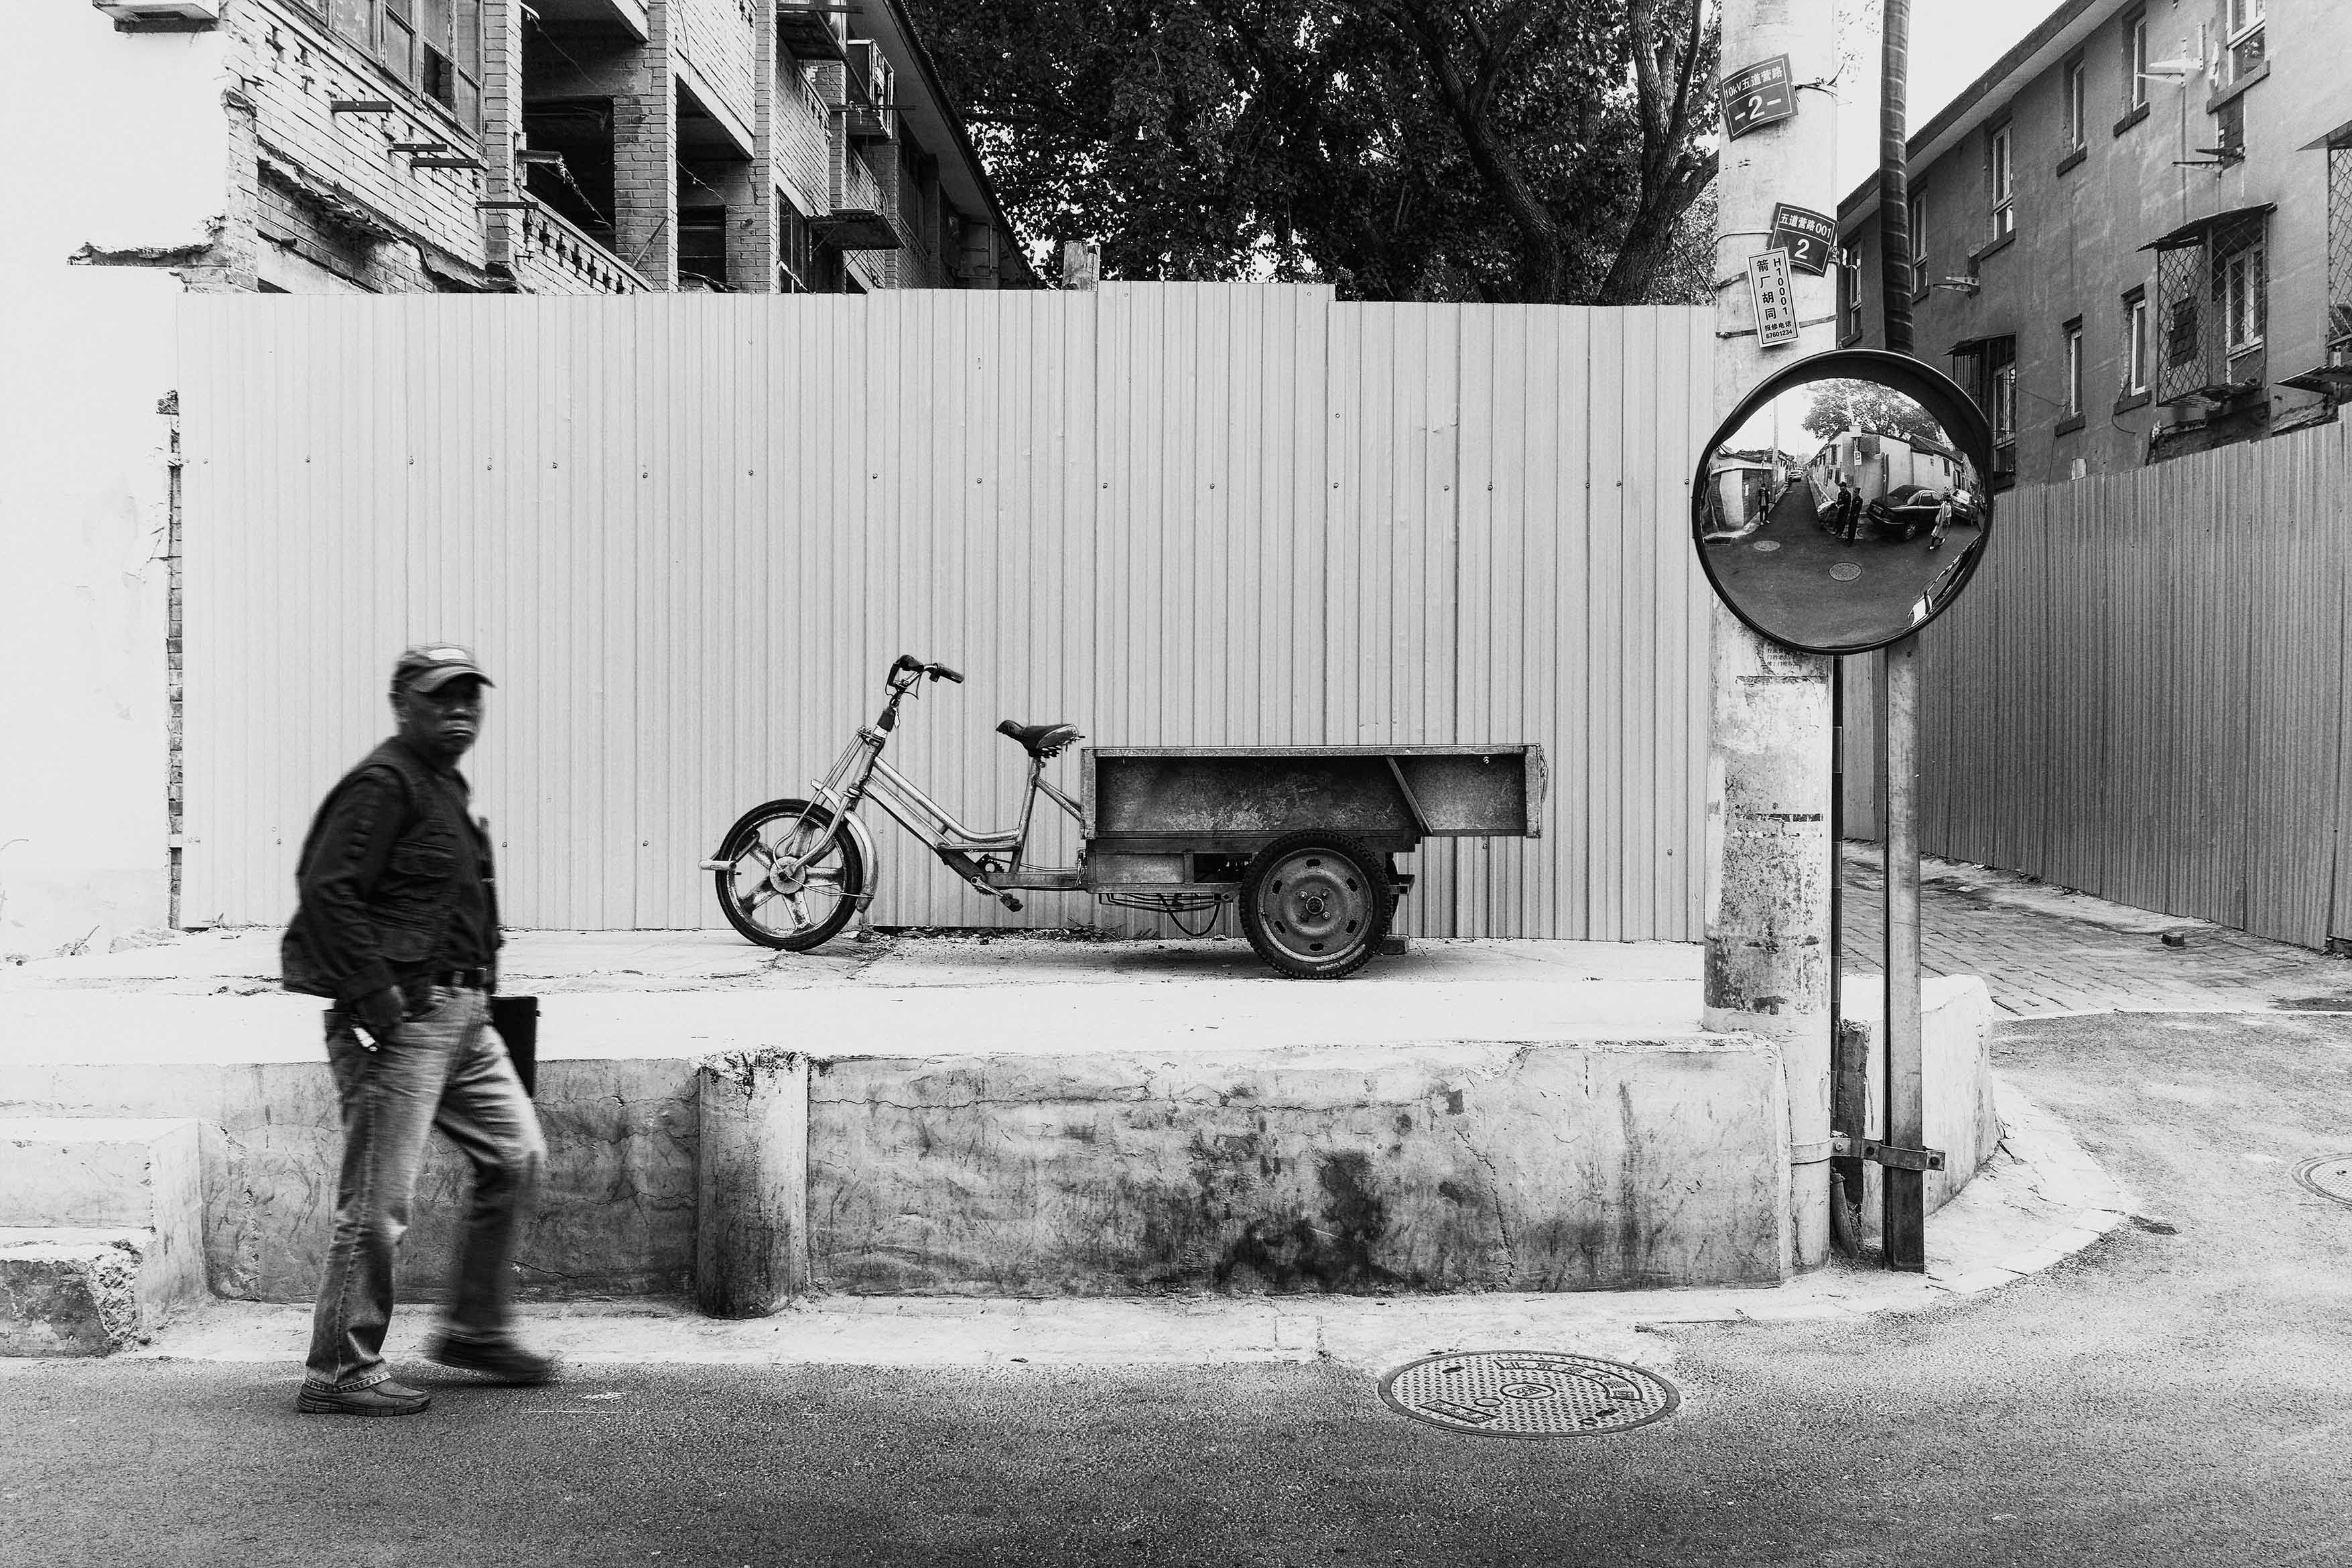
(1846, 1146)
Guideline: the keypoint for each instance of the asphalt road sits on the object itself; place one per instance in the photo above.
(1788, 589)
(2176, 1394)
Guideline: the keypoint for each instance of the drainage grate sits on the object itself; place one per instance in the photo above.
(1528, 1394)
(2330, 1176)
(1845, 571)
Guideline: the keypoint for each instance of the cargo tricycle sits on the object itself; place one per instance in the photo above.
(1303, 838)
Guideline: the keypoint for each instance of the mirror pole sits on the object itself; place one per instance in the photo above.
(1769, 860)
(1903, 1193)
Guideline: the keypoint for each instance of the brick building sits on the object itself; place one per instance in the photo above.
(2133, 235)
(575, 146)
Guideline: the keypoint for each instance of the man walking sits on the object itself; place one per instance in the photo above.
(398, 923)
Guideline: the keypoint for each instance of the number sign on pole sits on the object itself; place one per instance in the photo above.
(1761, 94)
(1808, 236)
(1776, 298)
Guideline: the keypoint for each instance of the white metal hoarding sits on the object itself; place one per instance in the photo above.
(689, 532)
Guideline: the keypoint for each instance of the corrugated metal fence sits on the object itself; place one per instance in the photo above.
(688, 533)
(2141, 694)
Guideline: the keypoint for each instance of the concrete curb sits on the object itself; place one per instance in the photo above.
(2041, 1200)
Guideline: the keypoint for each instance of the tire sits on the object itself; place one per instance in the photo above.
(1314, 905)
(754, 907)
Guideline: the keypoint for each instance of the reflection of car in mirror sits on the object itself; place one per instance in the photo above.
(1872, 534)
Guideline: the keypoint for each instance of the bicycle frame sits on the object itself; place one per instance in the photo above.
(860, 774)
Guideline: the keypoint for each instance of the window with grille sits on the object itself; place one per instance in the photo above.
(1849, 287)
(2004, 398)
(2135, 37)
(2076, 103)
(2214, 287)
(2135, 343)
(796, 250)
(2340, 252)
(2245, 41)
(2004, 182)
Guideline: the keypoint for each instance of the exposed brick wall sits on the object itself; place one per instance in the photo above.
(553, 257)
(801, 125)
(718, 36)
(752, 238)
(294, 68)
(645, 153)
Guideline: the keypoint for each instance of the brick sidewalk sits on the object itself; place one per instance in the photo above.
(2044, 949)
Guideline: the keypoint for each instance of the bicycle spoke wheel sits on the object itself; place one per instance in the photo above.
(784, 885)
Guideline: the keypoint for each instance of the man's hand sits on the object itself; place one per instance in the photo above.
(380, 1014)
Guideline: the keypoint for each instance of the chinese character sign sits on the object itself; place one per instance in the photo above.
(1758, 95)
(1808, 236)
(1775, 295)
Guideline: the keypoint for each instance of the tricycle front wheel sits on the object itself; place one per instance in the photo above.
(775, 908)
(1314, 905)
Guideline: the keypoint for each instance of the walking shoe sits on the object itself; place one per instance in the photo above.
(385, 1398)
(501, 1359)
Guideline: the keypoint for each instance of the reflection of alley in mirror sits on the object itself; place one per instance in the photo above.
(1856, 542)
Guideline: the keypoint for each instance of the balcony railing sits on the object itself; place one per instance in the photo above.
(566, 258)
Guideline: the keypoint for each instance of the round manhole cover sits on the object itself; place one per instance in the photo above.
(2330, 1176)
(1768, 545)
(1528, 1394)
(1845, 571)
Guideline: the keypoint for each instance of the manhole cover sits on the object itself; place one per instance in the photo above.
(1528, 1394)
(2330, 1176)
(1768, 545)
(1845, 571)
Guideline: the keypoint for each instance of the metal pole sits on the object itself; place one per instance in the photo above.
(1768, 809)
(1904, 1215)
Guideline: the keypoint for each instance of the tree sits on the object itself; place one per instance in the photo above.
(1842, 406)
(1523, 150)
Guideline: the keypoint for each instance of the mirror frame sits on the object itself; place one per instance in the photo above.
(1916, 379)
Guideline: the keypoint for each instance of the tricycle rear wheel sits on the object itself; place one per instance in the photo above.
(1314, 905)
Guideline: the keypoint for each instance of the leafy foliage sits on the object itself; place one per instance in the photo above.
(1541, 151)
(1840, 406)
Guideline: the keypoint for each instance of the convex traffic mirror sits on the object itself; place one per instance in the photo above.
(1846, 501)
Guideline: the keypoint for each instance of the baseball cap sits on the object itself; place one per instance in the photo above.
(428, 667)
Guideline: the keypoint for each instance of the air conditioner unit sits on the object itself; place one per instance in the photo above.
(176, 14)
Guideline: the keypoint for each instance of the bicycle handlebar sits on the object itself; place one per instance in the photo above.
(907, 662)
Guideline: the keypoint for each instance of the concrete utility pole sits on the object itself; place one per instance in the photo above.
(1770, 856)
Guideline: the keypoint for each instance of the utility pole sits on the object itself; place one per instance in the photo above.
(1903, 1213)
(1769, 855)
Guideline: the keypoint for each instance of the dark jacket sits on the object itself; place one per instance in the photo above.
(380, 876)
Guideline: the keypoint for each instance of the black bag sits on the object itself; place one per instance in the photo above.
(516, 1018)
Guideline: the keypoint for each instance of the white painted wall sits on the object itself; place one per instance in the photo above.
(115, 140)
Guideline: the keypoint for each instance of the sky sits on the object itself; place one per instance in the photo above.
(1953, 42)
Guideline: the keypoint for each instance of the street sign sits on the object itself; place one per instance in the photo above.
(1758, 95)
(1776, 298)
(1810, 238)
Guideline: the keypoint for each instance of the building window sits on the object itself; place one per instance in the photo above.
(2004, 398)
(2004, 183)
(1849, 287)
(2135, 343)
(2245, 38)
(2074, 336)
(2134, 61)
(2340, 252)
(2212, 279)
(434, 45)
(2243, 297)
(1919, 207)
(796, 250)
(2077, 102)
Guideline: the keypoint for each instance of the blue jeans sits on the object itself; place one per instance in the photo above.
(445, 1067)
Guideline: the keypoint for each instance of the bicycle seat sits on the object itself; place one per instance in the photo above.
(1040, 741)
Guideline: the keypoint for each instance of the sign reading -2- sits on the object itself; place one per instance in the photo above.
(1758, 95)
(1808, 236)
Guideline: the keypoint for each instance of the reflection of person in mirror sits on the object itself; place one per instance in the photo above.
(1846, 520)
(1953, 508)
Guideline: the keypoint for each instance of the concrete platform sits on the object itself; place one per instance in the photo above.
(100, 1230)
(1024, 1116)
